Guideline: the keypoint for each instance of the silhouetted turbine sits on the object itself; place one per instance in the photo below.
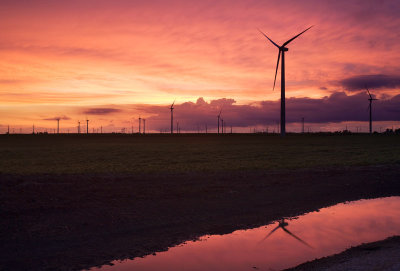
(282, 50)
(282, 224)
(219, 117)
(370, 110)
(172, 117)
(58, 125)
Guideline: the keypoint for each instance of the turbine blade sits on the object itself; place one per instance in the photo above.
(173, 103)
(277, 65)
(269, 234)
(369, 93)
(269, 38)
(299, 239)
(289, 41)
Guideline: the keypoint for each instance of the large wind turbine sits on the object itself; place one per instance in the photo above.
(281, 54)
(172, 117)
(370, 110)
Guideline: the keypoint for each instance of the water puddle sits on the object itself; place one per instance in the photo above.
(292, 241)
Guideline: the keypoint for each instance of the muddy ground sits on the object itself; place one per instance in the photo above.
(70, 222)
(381, 255)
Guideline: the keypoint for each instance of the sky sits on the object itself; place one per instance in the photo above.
(111, 61)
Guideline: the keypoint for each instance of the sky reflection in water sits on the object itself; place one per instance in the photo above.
(329, 231)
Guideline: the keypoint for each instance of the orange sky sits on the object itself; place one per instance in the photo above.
(61, 58)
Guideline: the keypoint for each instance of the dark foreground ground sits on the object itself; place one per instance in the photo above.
(65, 220)
(381, 255)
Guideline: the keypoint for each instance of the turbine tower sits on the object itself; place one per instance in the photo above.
(58, 125)
(140, 124)
(281, 54)
(219, 117)
(370, 110)
(79, 127)
(87, 126)
(172, 117)
(144, 126)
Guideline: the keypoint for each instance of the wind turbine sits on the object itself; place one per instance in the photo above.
(370, 110)
(140, 123)
(87, 126)
(282, 224)
(219, 117)
(79, 127)
(281, 54)
(58, 125)
(172, 117)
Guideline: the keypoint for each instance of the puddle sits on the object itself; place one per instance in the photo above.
(329, 231)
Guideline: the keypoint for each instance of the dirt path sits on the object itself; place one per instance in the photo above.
(70, 222)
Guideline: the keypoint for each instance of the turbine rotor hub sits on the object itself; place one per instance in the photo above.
(284, 49)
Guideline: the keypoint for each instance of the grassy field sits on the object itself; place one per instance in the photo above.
(106, 153)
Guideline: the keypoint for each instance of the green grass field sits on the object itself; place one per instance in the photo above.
(106, 153)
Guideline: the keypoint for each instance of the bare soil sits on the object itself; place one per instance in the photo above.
(71, 222)
(381, 255)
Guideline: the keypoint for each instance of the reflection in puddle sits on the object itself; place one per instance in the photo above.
(294, 241)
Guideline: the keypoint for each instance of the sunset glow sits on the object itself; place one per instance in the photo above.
(111, 61)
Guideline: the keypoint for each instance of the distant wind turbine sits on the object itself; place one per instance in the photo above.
(282, 50)
(58, 125)
(87, 126)
(172, 117)
(370, 110)
(79, 127)
(140, 123)
(219, 117)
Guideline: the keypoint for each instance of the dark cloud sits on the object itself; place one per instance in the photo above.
(376, 81)
(58, 118)
(337, 107)
(101, 111)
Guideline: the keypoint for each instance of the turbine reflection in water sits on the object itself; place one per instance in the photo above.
(282, 224)
(330, 230)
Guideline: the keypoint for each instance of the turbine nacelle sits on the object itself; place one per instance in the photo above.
(284, 49)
